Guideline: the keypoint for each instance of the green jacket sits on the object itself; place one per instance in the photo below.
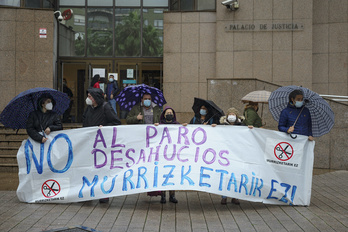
(132, 115)
(252, 118)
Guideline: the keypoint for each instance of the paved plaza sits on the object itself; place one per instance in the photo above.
(196, 211)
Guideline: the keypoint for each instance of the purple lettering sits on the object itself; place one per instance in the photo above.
(127, 155)
(99, 134)
(114, 136)
(148, 136)
(205, 156)
(141, 156)
(204, 139)
(183, 134)
(221, 153)
(113, 159)
(154, 153)
(95, 151)
(197, 154)
(182, 148)
(166, 135)
(165, 153)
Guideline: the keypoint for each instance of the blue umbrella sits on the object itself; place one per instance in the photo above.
(132, 95)
(323, 118)
(16, 113)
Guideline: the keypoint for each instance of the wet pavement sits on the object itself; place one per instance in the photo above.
(196, 211)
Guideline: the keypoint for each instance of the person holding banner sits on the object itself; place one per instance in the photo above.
(203, 117)
(43, 121)
(232, 118)
(296, 114)
(168, 116)
(98, 113)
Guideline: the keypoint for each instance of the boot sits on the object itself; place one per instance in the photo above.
(163, 197)
(172, 197)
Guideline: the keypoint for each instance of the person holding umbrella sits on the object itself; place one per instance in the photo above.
(206, 112)
(43, 121)
(145, 112)
(296, 118)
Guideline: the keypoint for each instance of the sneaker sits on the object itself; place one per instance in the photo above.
(223, 201)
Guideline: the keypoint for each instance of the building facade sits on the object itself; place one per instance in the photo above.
(192, 48)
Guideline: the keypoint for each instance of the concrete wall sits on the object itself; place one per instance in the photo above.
(26, 61)
(202, 59)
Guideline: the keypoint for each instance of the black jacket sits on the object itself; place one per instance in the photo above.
(103, 114)
(39, 121)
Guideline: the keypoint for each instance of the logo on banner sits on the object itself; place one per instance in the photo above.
(283, 151)
(50, 188)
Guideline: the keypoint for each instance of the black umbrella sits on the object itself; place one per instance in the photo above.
(213, 110)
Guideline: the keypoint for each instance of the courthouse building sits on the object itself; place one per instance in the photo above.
(187, 48)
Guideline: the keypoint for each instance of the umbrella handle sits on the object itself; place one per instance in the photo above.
(293, 136)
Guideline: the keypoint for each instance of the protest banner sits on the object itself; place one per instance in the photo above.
(98, 162)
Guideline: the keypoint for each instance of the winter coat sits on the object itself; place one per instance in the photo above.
(288, 117)
(102, 114)
(251, 117)
(138, 108)
(114, 90)
(223, 121)
(163, 120)
(39, 121)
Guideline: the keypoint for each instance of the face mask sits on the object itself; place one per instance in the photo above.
(203, 112)
(111, 80)
(88, 101)
(231, 118)
(169, 117)
(49, 106)
(147, 103)
(299, 104)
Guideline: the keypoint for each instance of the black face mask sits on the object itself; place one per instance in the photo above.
(169, 117)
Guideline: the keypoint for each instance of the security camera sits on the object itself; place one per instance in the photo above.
(60, 17)
(227, 3)
(231, 4)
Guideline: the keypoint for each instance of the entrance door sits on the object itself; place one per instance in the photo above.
(75, 76)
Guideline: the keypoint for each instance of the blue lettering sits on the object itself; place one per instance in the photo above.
(222, 172)
(142, 176)
(184, 176)
(204, 176)
(85, 181)
(70, 154)
(112, 185)
(127, 179)
(169, 175)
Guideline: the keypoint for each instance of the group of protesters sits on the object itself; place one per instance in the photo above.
(100, 113)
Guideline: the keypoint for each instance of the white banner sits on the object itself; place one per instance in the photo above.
(92, 163)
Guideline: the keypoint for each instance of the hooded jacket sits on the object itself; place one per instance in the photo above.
(288, 117)
(163, 120)
(102, 114)
(251, 117)
(38, 121)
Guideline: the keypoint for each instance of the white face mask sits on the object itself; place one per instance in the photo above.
(111, 79)
(231, 118)
(49, 106)
(88, 101)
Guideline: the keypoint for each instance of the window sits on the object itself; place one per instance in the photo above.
(10, 3)
(192, 5)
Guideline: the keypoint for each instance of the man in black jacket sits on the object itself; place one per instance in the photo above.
(98, 112)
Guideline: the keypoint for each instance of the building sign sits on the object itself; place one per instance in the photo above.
(254, 26)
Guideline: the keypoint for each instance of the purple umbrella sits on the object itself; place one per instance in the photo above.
(16, 113)
(132, 95)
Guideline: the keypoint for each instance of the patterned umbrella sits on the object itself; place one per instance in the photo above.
(260, 96)
(323, 118)
(132, 95)
(16, 113)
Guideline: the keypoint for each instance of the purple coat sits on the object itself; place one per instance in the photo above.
(163, 120)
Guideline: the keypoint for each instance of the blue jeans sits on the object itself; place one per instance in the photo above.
(113, 104)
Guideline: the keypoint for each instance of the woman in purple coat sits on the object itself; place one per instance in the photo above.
(168, 117)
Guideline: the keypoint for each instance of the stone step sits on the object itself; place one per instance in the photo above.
(8, 159)
(8, 151)
(9, 168)
(11, 143)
